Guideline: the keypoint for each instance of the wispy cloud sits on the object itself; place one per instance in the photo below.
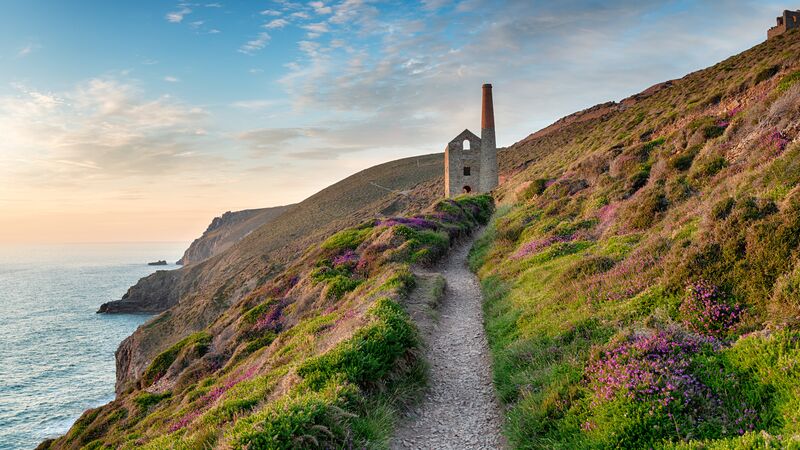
(276, 23)
(270, 12)
(177, 16)
(316, 29)
(254, 104)
(104, 126)
(27, 49)
(171, 79)
(320, 8)
(254, 45)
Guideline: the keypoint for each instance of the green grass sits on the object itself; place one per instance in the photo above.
(197, 343)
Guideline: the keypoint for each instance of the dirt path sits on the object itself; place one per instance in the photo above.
(460, 410)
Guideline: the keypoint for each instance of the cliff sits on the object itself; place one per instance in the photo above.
(226, 230)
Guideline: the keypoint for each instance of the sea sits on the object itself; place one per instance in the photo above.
(56, 353)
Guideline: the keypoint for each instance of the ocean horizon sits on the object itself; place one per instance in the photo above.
(56, 353)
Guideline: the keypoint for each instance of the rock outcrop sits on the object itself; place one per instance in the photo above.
(226, 230)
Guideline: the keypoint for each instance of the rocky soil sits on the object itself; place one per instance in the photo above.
(459, 411)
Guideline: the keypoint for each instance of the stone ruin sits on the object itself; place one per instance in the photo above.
(470, 162)
(789, 21)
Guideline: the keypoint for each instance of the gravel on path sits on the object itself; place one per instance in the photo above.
(459, 410)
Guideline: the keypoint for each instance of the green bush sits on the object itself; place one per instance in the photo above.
(787, 82)
(766, 73)
(147, 399)
(197, 343)
(340, 285)
(722, 208)
(646, 210)
(536, 187)
(348, 239)
(590, 265)
(311, 419)
(684, 160)
(712, 166)
(370, 354)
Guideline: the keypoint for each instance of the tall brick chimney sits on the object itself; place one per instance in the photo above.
(489, 173)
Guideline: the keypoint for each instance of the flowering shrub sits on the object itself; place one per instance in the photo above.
(705, 311)
(347, 258)
(212, 396)
(535, 246)
(652, 367)
(417, 223)
(776, 141)
(624, 280)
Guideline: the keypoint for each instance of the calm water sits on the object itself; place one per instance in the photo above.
(56, 354)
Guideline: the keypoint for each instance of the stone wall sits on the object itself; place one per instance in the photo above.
(456, 159)
(489, 175)
(789, 21)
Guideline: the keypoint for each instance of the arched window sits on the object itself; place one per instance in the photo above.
(466, 144)
(467, 189)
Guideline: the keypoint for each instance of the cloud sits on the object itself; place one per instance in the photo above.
(255, 45)
(271, 141)
(270, 12)
(276, 23)
(406, 80)
(254, 104)
(177, 16)
(27, 50)
(103, 129)
(300, 15)
(320, 8)
(213, 5)
(316, 29)
(171, 79)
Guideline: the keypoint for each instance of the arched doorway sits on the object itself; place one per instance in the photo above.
(467, 189)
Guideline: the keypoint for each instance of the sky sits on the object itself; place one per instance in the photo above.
(142, 120)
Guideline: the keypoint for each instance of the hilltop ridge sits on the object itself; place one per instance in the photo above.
(226, 230)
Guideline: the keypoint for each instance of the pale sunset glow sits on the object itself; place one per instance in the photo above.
(140, 121)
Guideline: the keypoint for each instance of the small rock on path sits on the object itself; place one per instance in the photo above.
(460, 410)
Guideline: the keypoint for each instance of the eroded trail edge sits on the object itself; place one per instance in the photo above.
(459, 409)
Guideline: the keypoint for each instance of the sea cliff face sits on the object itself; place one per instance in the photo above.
(226, 230)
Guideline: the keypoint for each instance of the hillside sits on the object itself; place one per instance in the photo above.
(641, 275)
(321, 355)
(226, 230)
(196, 295)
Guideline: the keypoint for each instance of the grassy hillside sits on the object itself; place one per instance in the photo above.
(642, 275)
(196, 295)
(321, 355)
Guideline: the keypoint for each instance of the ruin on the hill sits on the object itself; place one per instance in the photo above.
(789, 21)
(470, 162)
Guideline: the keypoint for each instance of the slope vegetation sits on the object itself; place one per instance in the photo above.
(196, 295)
(642, 277)
(321, 355)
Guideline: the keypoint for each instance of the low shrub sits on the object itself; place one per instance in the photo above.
(590, 265)
(536, 187)
(197, 343)
(147, 399)
(348, 239)
(368, 356)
